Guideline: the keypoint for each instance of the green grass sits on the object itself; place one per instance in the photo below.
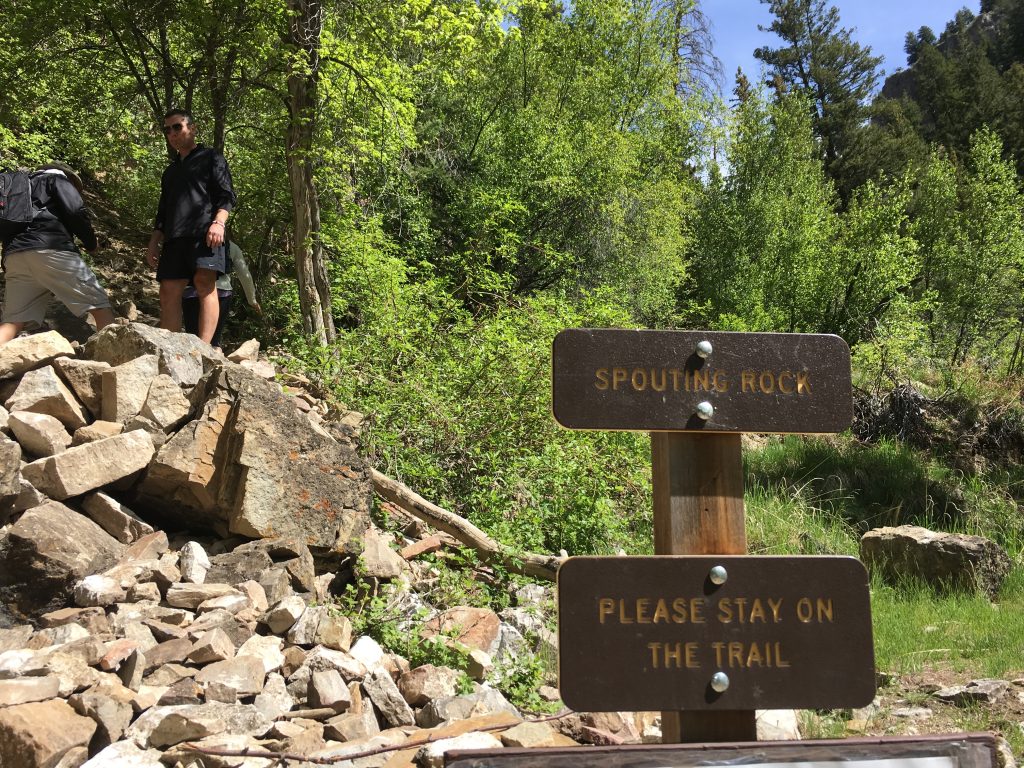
(915, 628)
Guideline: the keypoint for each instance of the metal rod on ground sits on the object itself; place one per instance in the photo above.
(698, 510)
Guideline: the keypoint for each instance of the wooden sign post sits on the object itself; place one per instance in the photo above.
(698, 510)
(697, 392)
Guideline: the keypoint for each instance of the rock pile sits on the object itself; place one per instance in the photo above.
(121, 644)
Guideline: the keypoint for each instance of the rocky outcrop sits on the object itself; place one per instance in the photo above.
(946, 561)
(165, 426)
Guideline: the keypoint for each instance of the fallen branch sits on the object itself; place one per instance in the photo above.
(525, 563)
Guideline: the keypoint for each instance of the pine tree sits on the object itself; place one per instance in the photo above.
(820, 59)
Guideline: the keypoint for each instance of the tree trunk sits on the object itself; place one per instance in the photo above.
(304, 30)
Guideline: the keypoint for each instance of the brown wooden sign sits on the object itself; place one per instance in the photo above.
(706, 381)
(714, 633)
(955, 750)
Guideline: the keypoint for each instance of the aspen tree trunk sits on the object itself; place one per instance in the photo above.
(304, 30)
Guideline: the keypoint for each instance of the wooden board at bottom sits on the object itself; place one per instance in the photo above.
(961, 750)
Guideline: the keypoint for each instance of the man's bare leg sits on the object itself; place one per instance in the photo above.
(170, 303)
(9, 330)
(205, 281)
(103, 317)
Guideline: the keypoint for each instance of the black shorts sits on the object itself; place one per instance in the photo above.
(182, 256)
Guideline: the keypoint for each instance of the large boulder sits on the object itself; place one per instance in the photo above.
(49, 549)
(947, 561)
(256, 466)
(183, 357)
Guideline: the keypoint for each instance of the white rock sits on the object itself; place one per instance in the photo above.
(367, 651)
(193, 562)
(432, 755)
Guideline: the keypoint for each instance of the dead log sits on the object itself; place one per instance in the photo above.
(525, 563)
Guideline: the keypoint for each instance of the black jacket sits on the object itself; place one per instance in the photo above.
(191, 192)
(60, 215)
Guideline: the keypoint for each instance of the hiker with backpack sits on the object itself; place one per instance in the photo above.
(41, 214)
(187, 243)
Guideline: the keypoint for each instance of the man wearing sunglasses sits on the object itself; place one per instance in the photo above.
(196, 197)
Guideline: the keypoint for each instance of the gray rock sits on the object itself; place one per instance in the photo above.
(247, 350)
(88, 467)
(238, 629)
(28, 352)
(10, 470)
(243, 674)
(316, 626)
(368, 652)
(360, 723)
(487, 701)
(244, 563)
(42, 391)
(125, 388)
(382, 691)
(14, 638)
(27, 497)
(4, 416)
(912, 713)
(98, 430)
(85, 379)
(325, 658)
(110, 707)
(115, 518)
(378, 560)
(975, 692)
(45, 553)
(426, 683)
(327, 689)
(256, 594)
(23, 690)
(283, 615)
(167, 652)
(147, 548)
(182, 356)
(98, 590)
(131, 670)
(165, 726)
(265, 648)
(194, 563)
(39, 433)
(273, 474)
(274, 700)
(943, 560)
(777, 725)
(190, 596)
(212, 646)
(166, 405)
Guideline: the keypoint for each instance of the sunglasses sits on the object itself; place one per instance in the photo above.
(176, 127)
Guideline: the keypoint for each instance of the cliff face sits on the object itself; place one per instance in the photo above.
(985, 28)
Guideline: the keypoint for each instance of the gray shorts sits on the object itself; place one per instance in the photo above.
(33, 275)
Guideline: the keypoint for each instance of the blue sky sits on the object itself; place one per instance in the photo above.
(881, 24)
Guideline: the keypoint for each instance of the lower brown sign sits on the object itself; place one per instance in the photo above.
(714, 632)
(955, 750)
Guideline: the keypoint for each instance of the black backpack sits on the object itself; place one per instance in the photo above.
(16, 209)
